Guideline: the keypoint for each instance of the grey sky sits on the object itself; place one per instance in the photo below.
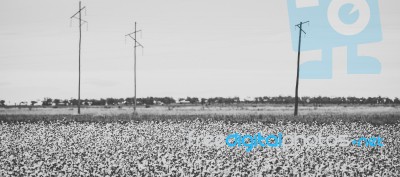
(198, 48)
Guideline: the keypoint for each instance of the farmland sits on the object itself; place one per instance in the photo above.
(189, 141)
(237, 113)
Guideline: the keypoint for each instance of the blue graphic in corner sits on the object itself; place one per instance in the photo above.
(335, 23)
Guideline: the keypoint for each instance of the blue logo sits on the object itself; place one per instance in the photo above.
(249, 142)
(368, 142)
(336, 23)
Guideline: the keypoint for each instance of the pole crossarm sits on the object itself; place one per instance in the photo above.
(78, 12)
(300, 26)
(134, 32)
(84, 21)
(136, 41)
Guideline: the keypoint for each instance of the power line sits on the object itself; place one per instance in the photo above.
(137, 44)
(300, 26)
(79, 13)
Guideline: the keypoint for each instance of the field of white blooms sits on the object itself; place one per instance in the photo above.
(188, 148)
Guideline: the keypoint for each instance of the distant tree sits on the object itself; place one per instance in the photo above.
(220, 100)
(336, 100)
(203, 101)
(111, 101)
(388, 101)
(227, 100)
(86, 102)
(326, 100)
(147, 101)
(129, 101)
(74, 102)
(362, 100)
(47, 102)
(167, 100)
(304, 100)
(33, 103)
(65, 102)
(102, 102)
(289, 100)
(2, 103)
(98, 102)
(231, 100)
(266, 99)
(192, 100)
(210, 100)
(351, 100)
(258, 99)
(94, 102)
(370, 100)
(237, 99)
(57, 101)
(380, 100)
(121, 100)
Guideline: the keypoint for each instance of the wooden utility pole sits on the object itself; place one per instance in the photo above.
(134, 49)
(300, 26)
(134, 107)
(80, 42)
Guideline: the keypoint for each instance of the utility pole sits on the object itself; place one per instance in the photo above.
(300, 26)
(137, 44)
(79, 13)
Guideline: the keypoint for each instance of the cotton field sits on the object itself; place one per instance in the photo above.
(187, 148)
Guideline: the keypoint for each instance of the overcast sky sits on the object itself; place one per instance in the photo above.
(199, 48)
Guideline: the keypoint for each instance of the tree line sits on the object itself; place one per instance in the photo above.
(213, 100)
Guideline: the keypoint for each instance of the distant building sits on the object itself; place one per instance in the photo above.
(23, 103)
(158, 103)
(182, 101)
(247, 99)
